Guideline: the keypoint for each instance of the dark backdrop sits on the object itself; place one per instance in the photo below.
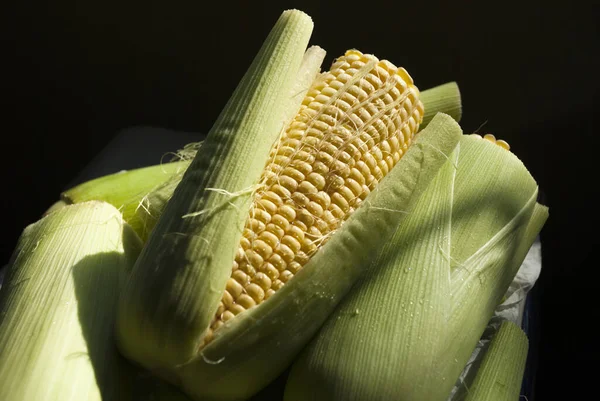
(78, 72)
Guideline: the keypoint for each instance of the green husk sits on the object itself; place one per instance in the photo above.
(57, 311)
(443, 98)
(180, 275)
(127, 190)
(406, 331)
(500, 374)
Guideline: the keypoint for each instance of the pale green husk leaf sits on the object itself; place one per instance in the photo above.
(500, 374)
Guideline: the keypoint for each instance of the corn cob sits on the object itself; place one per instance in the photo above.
(354, 124)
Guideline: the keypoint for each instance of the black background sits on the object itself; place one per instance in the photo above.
(78, 72)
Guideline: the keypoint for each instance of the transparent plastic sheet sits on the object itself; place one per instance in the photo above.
(511, 309)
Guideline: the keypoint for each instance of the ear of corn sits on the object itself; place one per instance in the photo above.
(253, 348)
(500, 374)
(179, 277)
(57, 311)
(58, 304)
(443, 273)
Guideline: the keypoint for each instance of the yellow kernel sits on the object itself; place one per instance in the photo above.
(337, 213)
(255, 225)
(377, 173)
(246, 301)
(249, 234)
(286, 275)
(288, 212)
(317, 180)
(322, 198)
(271, 271)
(353, 186)
(300, 199)
(227, 299)
(305, 217)
(302, 167)
(320, 168)
(248, 269)
(218, 323)
(277, 230)
(227, 315)
(277, 284)
(262, 280)
(305, 156)
(236, 309)
(357, 175)
(286, 182)
(320, 225)
(383, 166)
(329, 217)
(269, 293)
(329, 147)
(282, 191)
(268, 206)
(370, 161)
(334, 181)
(280, 222)
(292, 243)
(262, 248)
(296, 232)
(293, 173)
(314, 208)
(347, 194)
(261, 215)
(240, 277)
(269, 237)
(273, 197)
(302, 258)
(220, 309)
(301, 225)
(245, 243)
(294, 267)
(286, 252)
(490, 137)
(255, 292)
(254, 258)
(342, 169)
(234, 288)
(325, 158)
(339, 200)
(306, 187)
(503, 144)
(277, 261)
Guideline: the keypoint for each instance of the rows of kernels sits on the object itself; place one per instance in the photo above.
(352, 128)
